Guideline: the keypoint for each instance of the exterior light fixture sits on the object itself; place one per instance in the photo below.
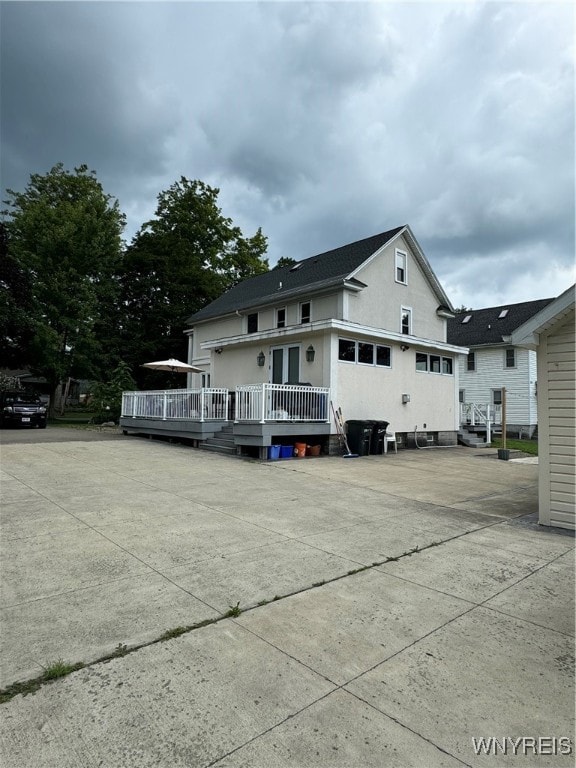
(261, 359)
(404, 347)
(310, 354)
(218, 350)
(405, 399)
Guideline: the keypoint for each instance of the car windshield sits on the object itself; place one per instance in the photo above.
(20, 397)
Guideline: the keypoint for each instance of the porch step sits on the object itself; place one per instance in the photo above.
(471, 440)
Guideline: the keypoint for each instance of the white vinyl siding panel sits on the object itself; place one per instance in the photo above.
(490, 373)
(556, 371)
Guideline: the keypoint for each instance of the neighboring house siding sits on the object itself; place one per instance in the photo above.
(556, 373)
(491, 374)
(379, 304)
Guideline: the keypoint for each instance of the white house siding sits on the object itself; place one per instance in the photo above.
(380, 303)
(556, 399)
(491, 373)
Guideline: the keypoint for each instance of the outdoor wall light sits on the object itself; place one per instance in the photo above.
(261, 359)
(405, 399)
(218, 350)
(310, 354)
(404, 347)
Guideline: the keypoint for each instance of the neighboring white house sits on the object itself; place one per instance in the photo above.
(493, 363)
(366, 320)
(551, 333)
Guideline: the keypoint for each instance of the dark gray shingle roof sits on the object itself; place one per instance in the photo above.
(486, 327)
(312, 273)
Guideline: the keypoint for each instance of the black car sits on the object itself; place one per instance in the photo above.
(21, 409)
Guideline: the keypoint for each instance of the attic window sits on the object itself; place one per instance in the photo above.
(502, 314)
(295, 267)
(467, 319)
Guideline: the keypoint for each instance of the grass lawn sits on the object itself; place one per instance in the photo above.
(526, 446)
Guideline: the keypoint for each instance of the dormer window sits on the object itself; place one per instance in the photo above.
(401, 267)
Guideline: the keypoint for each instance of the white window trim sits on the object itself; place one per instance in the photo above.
(397, 253)
(402, 311)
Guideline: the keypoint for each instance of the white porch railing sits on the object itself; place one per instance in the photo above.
(473, 414)
(480, 413)
(205, 404)
(282, 402)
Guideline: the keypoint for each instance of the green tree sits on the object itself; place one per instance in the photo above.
(16, 328)
(64, 237)
(107, 396)
(284, 261)
(179, 261)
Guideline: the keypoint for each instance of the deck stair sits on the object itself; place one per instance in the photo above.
(222, 442)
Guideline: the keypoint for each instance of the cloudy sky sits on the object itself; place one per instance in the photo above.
(323, 123)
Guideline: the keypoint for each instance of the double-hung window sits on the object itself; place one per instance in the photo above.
(281, 317)
(253, 323)
(510, 358)
(406, 320)
(305, 312)
(401, 267)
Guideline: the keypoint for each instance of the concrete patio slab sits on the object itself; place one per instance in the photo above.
(173, 537)
(258, 574)
(340, 732)
(483, 674)
(89, 623)
(545, 597)
(465, 570)
(344, 628)
(186, 702)
(43, 566)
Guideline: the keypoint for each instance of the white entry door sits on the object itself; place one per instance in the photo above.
(285, 365)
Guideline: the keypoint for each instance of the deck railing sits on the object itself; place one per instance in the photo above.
(209, 403)
(282, 402)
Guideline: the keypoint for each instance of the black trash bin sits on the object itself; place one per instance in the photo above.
(377, 438)
(359, 434)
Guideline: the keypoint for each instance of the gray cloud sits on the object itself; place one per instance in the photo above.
(320, 122)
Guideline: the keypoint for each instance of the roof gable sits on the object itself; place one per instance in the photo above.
(491, 325)
(331, 268)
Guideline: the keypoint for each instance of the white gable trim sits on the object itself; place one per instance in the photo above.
(528, 334)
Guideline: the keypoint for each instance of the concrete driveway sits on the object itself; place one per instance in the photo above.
(384, 610)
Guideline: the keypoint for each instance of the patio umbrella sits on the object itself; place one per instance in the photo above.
(173, 366)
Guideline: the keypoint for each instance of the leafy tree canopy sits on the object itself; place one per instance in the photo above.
(63, 253)
(179, 261)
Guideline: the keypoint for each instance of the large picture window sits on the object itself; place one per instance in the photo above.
(364, 353)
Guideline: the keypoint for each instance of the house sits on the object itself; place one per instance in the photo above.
(363, 326)
(494, 363)
(550, 334)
